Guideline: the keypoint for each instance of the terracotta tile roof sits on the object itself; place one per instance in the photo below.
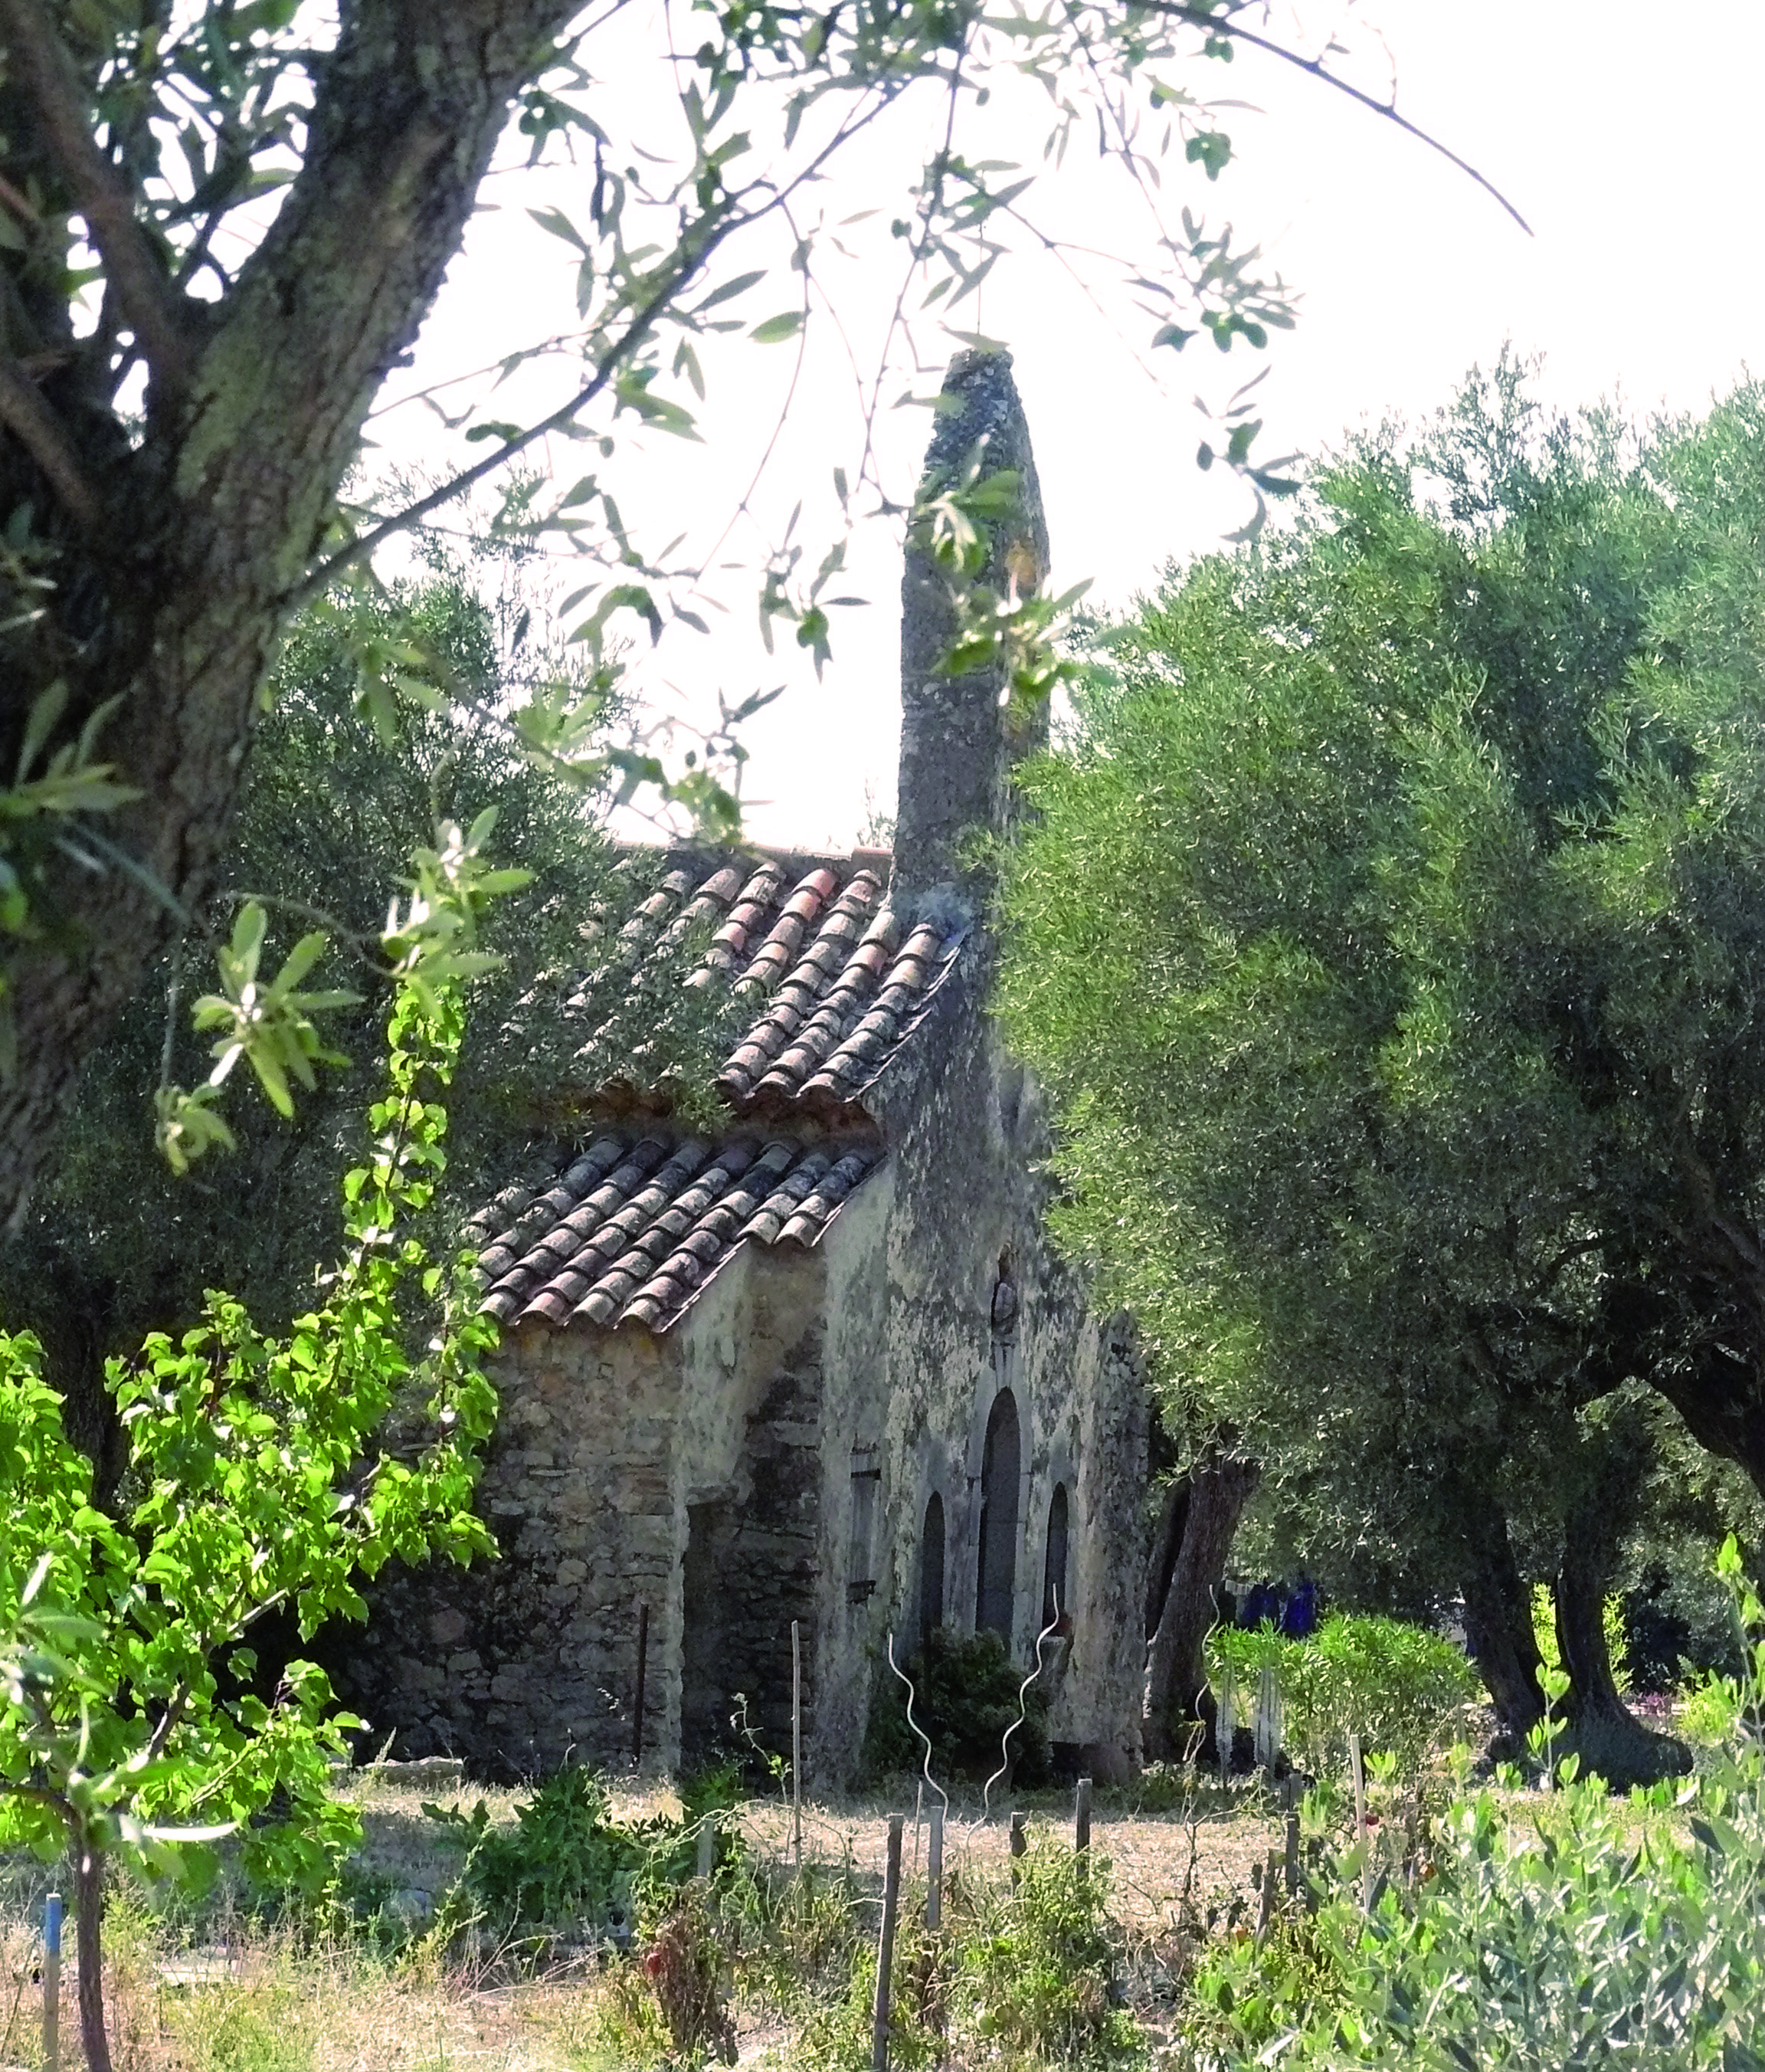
(631, 1229)
(836, 980)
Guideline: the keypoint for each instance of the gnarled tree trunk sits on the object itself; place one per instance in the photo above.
(1219, 1488)
(1498, 1627)
(1604, 1733)
(1167, 1543)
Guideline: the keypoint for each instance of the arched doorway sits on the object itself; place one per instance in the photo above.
(1054, 1600)
(931, 1570)
(997, 1583)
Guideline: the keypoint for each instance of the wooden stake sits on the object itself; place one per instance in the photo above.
(637, 1710)
(1272, 1870)
(52, 1983)
(1359, 1772)
(1019, 1844)
(1293, 1853)
(885, 1947)
(796, 1742)
(934, 1869)
(708, 1848)
(1081, 1827)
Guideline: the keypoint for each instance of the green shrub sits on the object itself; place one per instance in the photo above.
(1397, 1685)
(965, 1688)
(1572, 1929)
(1708, 1711)
(242, 2028)
(567, 1859)
(1035, 1974)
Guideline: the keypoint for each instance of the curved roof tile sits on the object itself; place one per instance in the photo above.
(633, 1228)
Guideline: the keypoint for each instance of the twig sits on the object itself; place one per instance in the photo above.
(1220, 25)
(691, 256)
(58, 102)
(41, 434)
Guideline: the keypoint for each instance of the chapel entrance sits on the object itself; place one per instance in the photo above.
(997, 1578)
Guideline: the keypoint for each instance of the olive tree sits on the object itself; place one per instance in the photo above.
(1386, 940)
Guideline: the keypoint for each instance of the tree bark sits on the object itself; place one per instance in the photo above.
(1498, 1627)
(176, 597)
(89, 1921)
(1609, 1739)
(1166, 1541)
(1219, 1489)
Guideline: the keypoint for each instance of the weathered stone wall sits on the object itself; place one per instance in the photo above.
(772, 1457)
(610, 1446)
(965, 1193)
(750, 1490)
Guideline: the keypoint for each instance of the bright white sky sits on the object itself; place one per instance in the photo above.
(1628, 134)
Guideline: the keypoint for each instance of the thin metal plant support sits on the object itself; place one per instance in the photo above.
(1023, 1713)
(924, 1766)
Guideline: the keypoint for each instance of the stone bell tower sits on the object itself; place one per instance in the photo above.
(958, 740)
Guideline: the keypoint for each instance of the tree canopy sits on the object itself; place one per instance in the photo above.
(221, 226)
(1386, 936)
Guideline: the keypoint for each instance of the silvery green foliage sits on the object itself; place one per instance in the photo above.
(1570, 1930)
(1396, 1684)
(1226, 1723)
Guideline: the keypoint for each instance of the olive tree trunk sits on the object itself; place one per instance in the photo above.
(1604, 1733)
(178, 558)
(1219, 1488)
(1498, 1628)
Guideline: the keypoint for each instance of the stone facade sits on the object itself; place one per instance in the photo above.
(880, 1400)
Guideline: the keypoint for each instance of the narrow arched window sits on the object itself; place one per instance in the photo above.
(931, 1570)
(1054, 1600)
(996, 1584)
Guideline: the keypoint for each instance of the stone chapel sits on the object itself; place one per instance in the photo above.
(820, 1364)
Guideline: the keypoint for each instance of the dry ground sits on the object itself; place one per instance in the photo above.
(227, 1995)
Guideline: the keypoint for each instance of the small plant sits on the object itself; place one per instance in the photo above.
(1708, 1711)
(1161, 1787)
(1024, 1979)
(243, 2029)
(793, 1938)
(1035, 1977)
(567, 1861)
(1581, 1931)
(685, 1968)
(1611, 1618)
(266, 1475)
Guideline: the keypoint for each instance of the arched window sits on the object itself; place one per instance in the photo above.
(931, 1570)
(1054, 1600)
(997, 1582)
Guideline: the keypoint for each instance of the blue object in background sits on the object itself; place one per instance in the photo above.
(52, 1983)
(1299, 1620)
(1261, 1607)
